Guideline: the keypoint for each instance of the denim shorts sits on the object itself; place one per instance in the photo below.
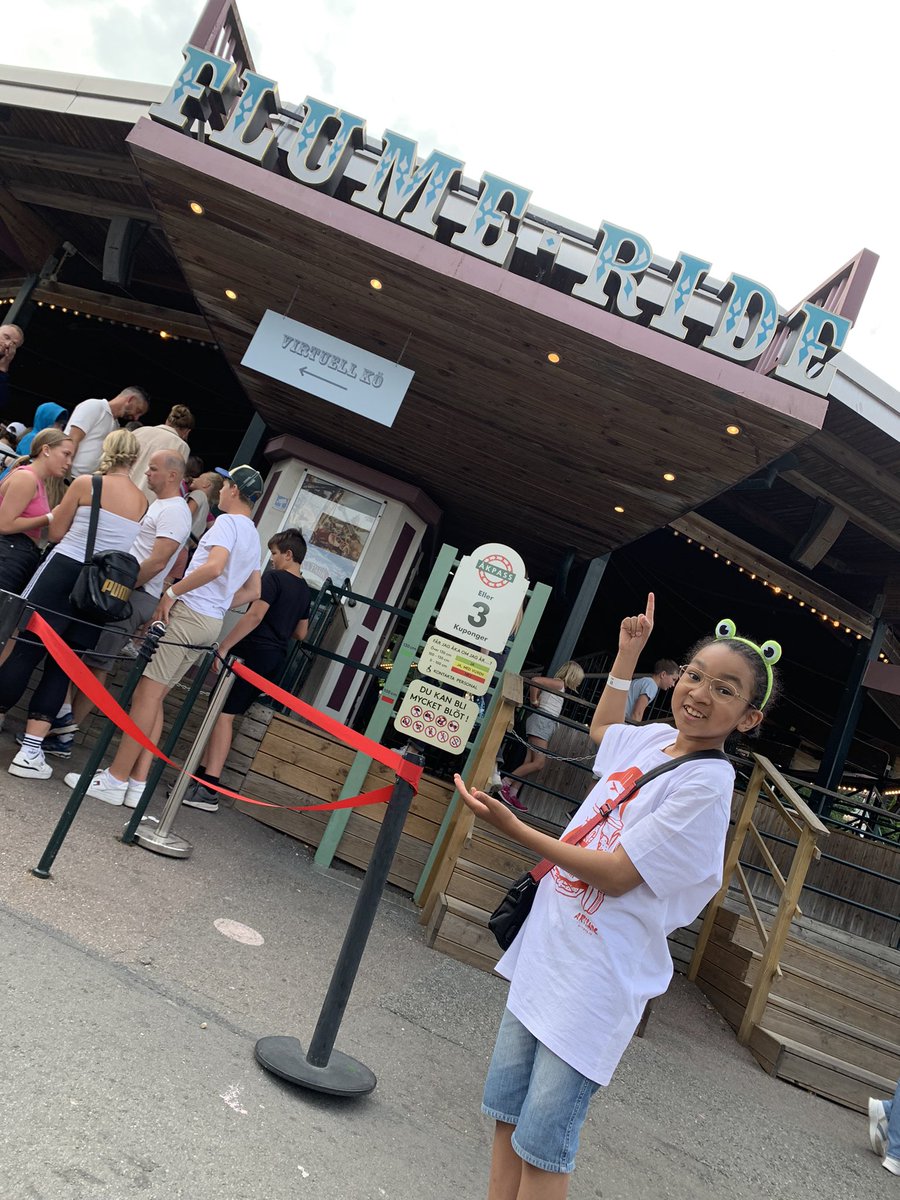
(528, 1086)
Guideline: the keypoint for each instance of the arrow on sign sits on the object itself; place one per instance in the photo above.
(325, 379)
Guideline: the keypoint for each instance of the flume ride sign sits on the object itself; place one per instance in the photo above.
(323, 147)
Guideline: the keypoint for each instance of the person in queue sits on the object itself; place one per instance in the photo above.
(172, 435)
(546, 693)
(578, 981)
(25, 511)
(260, 639)
(224, 574)
(92, 420)
(122, 506)
(163, 531)
(645, 688)
(12, 339)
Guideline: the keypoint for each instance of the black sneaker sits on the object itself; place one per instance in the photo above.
(202, 797)
(64, 724)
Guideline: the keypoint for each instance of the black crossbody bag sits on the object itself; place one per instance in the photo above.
(102, 591)
(509, 916)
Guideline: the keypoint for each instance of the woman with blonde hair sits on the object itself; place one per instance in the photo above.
(25, 509)
(546, 694)
(122, 506)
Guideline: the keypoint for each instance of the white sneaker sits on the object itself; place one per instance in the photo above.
(133, 792)
(30, 766)
(878, 1127)
(100, 788)
(892, 1165)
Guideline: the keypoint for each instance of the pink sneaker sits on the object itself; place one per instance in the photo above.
(510, 797)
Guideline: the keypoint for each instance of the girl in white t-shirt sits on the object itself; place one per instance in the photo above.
(593, 950)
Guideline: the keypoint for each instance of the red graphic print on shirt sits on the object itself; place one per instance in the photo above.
(603, 837)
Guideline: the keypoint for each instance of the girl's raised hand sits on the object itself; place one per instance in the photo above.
(495, 812)
(635, 631)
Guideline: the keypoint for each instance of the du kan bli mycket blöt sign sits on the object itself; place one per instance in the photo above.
(333, 370)
(485, 597)
(429, 714)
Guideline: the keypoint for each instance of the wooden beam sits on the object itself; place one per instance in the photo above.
(870, 475)
(825, 528)
(121, 308)
(69, 160)
(34, 239)
(778, 574)
(860, 519)
(758, 517)
(78, 202)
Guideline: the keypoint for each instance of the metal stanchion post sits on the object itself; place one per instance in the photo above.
(168, 746)
(159, 837)
(145, 653)
(322, 1068)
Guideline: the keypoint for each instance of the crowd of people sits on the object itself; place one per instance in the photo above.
(196, 553)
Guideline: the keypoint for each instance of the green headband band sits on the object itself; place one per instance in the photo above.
(769, 652)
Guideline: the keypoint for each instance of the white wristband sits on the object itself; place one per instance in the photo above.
(171, 594)
(49, 516)
(619, 685)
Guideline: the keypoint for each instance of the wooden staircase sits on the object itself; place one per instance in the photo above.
(830, 1024)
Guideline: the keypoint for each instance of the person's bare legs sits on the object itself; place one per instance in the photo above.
(141, 768)
(147, 712)
(535, 760)
(513, 1179)
(542, 1185)
(506, 1166)
(218, 745)
(82, 707)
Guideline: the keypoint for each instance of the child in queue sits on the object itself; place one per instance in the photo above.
(593, 950)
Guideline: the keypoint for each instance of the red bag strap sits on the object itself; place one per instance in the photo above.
(574, 836)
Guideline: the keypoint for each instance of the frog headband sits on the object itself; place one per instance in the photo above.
(769, 652)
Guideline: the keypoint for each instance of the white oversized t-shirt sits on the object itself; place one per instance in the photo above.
(163, 519)
(585, 964)
(96, 420)
(238, 535)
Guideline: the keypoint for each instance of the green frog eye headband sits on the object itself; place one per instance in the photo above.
(769, 652)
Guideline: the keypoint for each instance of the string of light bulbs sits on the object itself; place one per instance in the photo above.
(86, 316)
(775, 589)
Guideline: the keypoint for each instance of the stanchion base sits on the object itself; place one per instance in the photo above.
(147, 835)
(342, 1076)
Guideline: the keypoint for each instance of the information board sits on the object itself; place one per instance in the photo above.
(429, 714)
(448, 662)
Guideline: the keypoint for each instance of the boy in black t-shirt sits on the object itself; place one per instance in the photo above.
(261, 639)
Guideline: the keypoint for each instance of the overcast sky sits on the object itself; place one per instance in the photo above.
(760, 137)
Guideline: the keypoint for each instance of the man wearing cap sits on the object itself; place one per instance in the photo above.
(224, 574)
(11, 339)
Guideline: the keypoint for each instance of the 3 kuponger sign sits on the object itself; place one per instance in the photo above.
(484, 597)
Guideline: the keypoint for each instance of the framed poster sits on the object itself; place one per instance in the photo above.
(337, 522)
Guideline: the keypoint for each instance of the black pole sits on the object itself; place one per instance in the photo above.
(843, 725)
(155, 773)
(145, 653)
(322, 1068)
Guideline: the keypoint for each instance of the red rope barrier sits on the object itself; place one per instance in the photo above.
(98, 695)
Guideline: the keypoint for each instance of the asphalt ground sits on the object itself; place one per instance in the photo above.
(129, 1022)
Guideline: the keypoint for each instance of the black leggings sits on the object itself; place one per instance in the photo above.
(51, 591)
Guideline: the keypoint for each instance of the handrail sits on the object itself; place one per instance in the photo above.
(764, 786)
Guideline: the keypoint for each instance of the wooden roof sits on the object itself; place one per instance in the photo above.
(489, 428)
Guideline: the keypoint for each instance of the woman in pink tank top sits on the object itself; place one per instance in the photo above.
(24, 508)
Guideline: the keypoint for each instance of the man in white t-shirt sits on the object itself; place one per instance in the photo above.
(164, 530)
(92, 420)
(224, 574)
(173, 435)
